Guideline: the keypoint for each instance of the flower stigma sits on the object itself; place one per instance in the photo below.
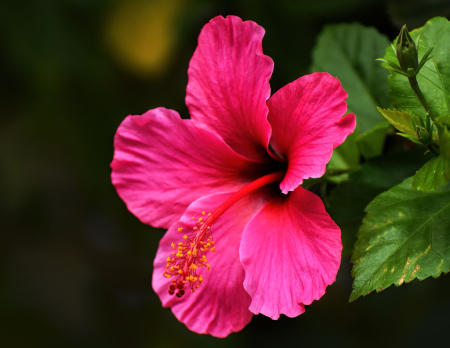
(188, 256)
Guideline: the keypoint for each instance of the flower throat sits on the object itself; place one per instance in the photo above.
(189, 256)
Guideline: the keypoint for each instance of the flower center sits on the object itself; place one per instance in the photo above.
(189, 255)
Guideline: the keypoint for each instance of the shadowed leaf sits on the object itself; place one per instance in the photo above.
(348, 200)
(348, 51)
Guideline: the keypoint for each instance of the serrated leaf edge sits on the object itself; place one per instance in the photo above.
(353, 295)
(398, 125)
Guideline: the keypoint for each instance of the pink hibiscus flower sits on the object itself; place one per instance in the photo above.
(231, 175)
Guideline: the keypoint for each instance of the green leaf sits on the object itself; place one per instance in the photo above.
(444, 138)
(371, 143)
(444, 120)
(413, 139)
(348, 200)
(433, 78)
(348, 51)
(401, 120)
(435, 173)
(405, 235)
(345, 157)
(389, 65)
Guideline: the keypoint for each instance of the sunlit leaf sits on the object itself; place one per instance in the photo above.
(435, 173)
(401, 120)
(405, 235)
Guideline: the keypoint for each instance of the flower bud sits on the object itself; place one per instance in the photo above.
(407, 53)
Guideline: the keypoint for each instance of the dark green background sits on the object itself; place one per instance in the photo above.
(75, 264)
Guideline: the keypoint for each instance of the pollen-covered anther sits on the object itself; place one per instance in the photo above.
(190, 256)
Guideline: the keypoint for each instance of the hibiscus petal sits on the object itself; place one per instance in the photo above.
(228, 85)
(307, 124)
(220, 304)
(163, 163)
(291, 251)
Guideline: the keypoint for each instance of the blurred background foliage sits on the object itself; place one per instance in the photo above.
(75, 264)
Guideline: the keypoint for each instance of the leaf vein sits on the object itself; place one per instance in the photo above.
(406, 240)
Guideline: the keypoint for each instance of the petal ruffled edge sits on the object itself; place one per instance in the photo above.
(229, 84)
(290, 251)
(307, 124)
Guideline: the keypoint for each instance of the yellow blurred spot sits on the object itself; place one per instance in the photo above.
(142, 33)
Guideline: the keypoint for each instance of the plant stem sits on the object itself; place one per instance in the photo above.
(420, 96)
